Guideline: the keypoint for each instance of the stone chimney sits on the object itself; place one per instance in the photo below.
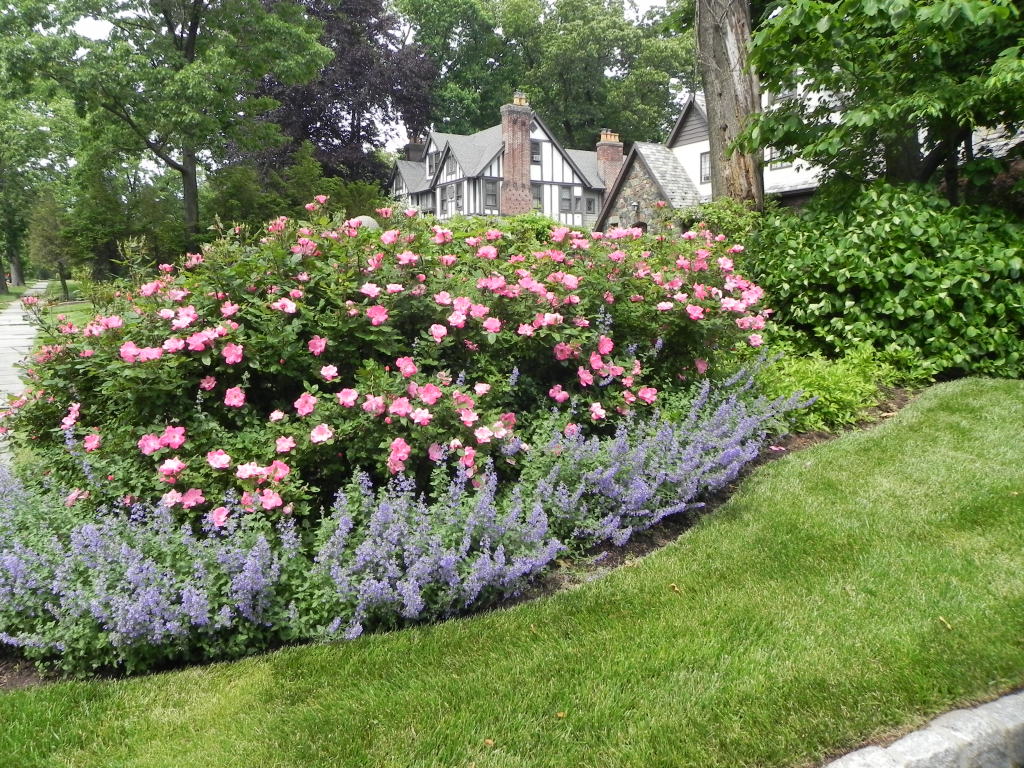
(414, 149)
(609, 157)
(515, 132)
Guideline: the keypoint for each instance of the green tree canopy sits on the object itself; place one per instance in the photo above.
(172, 74)
(896, 86)
(584, 64)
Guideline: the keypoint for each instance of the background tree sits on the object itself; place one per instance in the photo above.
(373, 77)
(172, 73)
(900, 84)
(584, 64)
(48, 247)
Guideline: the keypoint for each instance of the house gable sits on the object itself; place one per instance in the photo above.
(691, 127)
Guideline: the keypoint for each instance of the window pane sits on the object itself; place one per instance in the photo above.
(566, 200)
(535, 152)
(538, 195)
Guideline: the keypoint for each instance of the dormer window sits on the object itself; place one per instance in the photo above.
(449, 167)
(431, 163)
(535, 152)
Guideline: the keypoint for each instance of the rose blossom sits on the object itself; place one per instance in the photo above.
(755, 340)
(429, 394)
(421, 417)
(399, 453)
(285, 305)
(305, 404)
(438, 332)
(192, 498)
(329, 372)
(347, 397)
(378, 314)
(648, 394)
(234, 397)
(370, 289)
(218, 459)
(317, 345)
(219, 517)
(586, 378)
(492, 325)
(173, 437)
(91, 442)
(149, 443)
(285, 444)
(597, 412)
(321, 434)
(276, 415)
(232, 353)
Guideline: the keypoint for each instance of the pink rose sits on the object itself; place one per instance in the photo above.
(755, 340)
(192, 498)
(347, 397)
(558, 394)
(429, 394)
(377, 314)
(586, 379)
(492, 325)
(421, 417)
(390, 237)
(234, 397)
(173, 437)
(374, 404)
(228, 309)
(605, 345)
(562, 351)
(278, 470)
(648, 394)
(174, 344)
(305, 404)
(329, 372)
(149, 443)
(695, 312)
(276, 415)
(395, 288)
(370, 289)
(400, 451)
(525, 330)
(285, 305)
(483, 435)
(317, 345)
(481, 389)
(665, 306)
(218, 459)
(597, 412)
(285, 444)
(438, 332)
(401, 407)
(435, 452)
(91, 442)
(407, 366)
(219, 517)
(232, 353)
(321, 434)
(269, 499)
(172, 467)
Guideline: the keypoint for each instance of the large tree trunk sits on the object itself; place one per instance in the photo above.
(733, 93)
(61, 273)
(17, 273)
(190, 187)
(3, 276)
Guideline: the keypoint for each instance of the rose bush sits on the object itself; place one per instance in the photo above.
(273, 370)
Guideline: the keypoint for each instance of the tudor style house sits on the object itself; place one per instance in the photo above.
(679, 173)
(511, 168)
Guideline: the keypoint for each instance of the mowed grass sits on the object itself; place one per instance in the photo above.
(806, 616)
(14, 293)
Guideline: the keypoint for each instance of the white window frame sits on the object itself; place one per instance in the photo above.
(705, 167)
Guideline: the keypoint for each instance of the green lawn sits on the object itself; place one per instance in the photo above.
(14, 294)
(806, 616)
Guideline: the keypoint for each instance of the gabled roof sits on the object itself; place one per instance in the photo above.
(662, 165)
(473, 153)
(413, 174)
(696, 104)
(586, 166)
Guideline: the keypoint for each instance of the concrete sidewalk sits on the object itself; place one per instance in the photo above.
(17, 336)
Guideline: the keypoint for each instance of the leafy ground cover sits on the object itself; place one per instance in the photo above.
(843, 593)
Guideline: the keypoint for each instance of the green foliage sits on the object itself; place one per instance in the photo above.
(896, 70)
(318, 307)
(939, 286)
(726, 215)
(583, 64)
(842, 388)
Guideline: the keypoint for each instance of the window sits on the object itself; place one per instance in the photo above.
(535, 152)
(431, 163)
(565, 205)
(772, 157)
(458, 196)
(449, 166)
(538, 196)
(705, 167)
(579, 205)
(449, 191)
(591, 205)
(444, 202)
(490, 194)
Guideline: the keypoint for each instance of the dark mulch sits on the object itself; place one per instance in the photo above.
(15, 672)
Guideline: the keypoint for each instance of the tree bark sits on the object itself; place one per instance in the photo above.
(3, 276)
(733, 93)
(65, 295)
(17, 273)
(190, 188)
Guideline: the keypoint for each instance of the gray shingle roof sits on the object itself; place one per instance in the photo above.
(414, 175)
(475, 151)
(587, 163)
(669, 173)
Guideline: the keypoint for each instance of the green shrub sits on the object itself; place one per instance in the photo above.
(939, 287)
(275, 369)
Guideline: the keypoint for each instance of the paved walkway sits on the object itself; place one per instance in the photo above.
(17, 337)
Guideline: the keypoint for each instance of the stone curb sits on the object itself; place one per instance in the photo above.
(987, 736)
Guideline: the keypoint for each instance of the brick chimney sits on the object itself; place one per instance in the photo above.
(414, 149)
(609, 157)
(515, 132)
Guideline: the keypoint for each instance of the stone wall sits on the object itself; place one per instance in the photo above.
(639, 188)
